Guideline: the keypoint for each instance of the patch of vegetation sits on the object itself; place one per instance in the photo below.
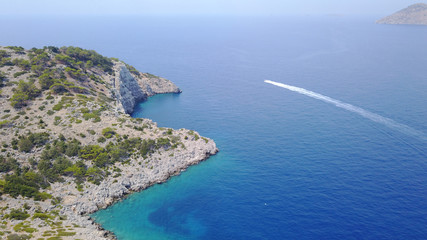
(26, 143)
(26, 185)
(149, 75)
(8, 164)
(132, 69)
(50, 77)
(22, 226)
(17, 49)
(108, 132)
(57, 120)
(80, 58)
(18, 237)
(24, 92)
(4, 123)
(17, 74)
(88, 114)
(2, 78)
(42, 216)
(17, 214)
(22, 63)
(76, 73)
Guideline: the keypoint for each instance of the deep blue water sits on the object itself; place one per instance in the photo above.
(289, 166)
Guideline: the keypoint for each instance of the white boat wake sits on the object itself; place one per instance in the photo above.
(362, 112)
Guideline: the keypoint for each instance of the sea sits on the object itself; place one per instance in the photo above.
(344, 157)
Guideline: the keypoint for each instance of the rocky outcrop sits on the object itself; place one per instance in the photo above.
(130, 89)
(133, 180)
(414, 14)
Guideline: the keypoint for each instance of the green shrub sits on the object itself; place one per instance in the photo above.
(17, 74)
(18, 237)
(57, 120)
(90, 152)
(76, 74)
(94, 175)
(8, 164)
(132, 69)
(16, 49)
(41, 196)
(108, 132)
(4, 123)
(4, 54)
(24, 92)
(73, 148)
(77, 170)
(17, 214)
(73, 55)
(16, 185)
(58, 88)
(22, 63)
(63, 234)
(46, 80)
(42, 216)
(163, 142)
(25, 145)
(102, 160)
(58, 106)
(19, 100)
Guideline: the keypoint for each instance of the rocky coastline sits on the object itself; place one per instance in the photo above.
(415, 14)
(89, 107)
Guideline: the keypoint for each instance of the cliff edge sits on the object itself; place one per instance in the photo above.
(415, 14)
(132, 88)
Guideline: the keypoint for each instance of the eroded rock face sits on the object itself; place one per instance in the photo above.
(131, 89)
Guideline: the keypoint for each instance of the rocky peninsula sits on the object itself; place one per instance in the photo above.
(415, 14)
(69, 146)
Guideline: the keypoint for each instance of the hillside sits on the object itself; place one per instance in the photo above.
(414, 14)
(68, 145)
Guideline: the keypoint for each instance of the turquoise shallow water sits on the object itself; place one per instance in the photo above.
(290, 166)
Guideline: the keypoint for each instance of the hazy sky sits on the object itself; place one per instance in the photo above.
(204, 7)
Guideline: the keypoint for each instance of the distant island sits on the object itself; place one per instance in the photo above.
(69, 146)
(414, 14)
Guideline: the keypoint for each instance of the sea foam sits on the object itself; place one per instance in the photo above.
(362, 112)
